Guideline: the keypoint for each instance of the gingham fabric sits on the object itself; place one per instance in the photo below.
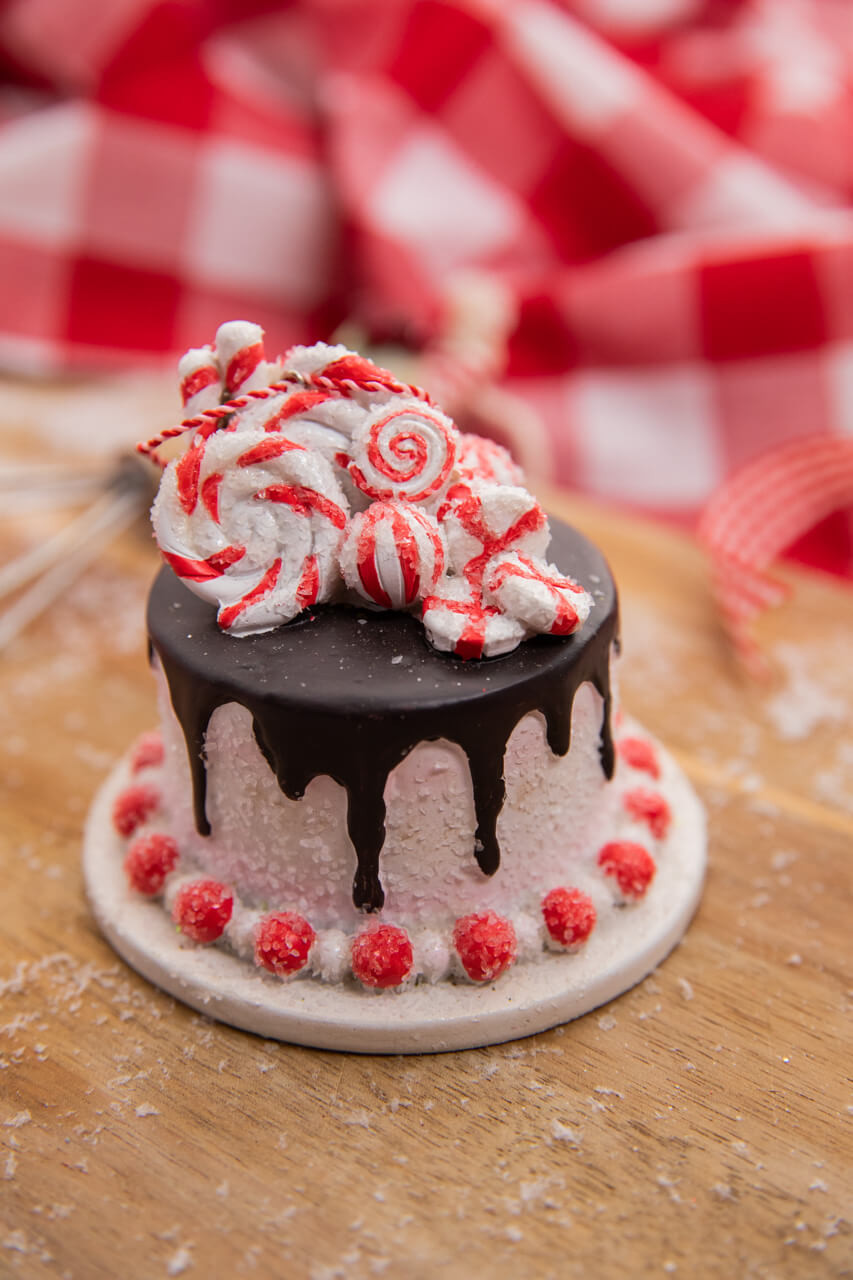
(661, 187)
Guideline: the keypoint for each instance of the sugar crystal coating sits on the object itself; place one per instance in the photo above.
(639, 754)
(202, 909)
(649, 807)
(149, 860)
(486, 945)
(134, 806)
(630, 865)
(147, 751)
(382, 956)
(569, 916)
(283, 941)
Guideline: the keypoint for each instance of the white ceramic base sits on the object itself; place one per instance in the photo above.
(624, 947)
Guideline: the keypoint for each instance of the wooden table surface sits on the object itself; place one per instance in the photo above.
(697, 1126)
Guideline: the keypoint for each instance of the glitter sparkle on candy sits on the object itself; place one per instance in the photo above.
(630, 865)
(382, 956)
(649, 807)
(148, 862)
(283, 942)
(202, 909)
(322, 475)
(569, 917)
(486, 945)
(134, 806)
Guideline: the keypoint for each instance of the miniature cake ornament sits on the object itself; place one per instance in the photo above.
(392, 804)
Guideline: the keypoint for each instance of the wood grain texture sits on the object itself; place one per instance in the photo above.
(698, 1126)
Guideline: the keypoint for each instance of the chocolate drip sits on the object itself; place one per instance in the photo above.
(348, 693)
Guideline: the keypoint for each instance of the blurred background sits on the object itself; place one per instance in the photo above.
(613, 234)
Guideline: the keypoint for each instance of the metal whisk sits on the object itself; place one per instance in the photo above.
(116, 496)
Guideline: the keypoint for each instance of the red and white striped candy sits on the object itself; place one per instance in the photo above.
(403, 449)
(201, 381)
(478, 458)
(392, 554)
(457, 621)
(536, 594)
(482, 519)
(252, 522)
(240, 356)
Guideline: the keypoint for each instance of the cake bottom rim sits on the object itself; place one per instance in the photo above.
(425, 1018)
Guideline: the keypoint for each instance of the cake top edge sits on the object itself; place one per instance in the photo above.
(319, 477)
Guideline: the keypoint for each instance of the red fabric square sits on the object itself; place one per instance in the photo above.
(767, 402)
(131, 159)
(586, 207)
(542, 341)
(760, 306)
(439, 46)
(119, 306)
(141, 81)
(515, 144)
(34, 286)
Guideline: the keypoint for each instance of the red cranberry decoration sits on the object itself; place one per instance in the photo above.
(569, 916)
(639, 754)
(133, 806)
(382, 956)
(649, 807)
(202, 909)
(149, 860)
(282, 942)
(486, 944)
(632, 867)
(147, 751)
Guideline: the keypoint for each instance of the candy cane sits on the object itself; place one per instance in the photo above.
(252, 524)
(201, 381)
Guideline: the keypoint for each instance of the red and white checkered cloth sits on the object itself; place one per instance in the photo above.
(661, 186)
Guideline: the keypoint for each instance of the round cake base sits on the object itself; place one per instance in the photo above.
(425, 1018)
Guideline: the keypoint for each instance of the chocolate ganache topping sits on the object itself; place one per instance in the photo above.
(348, 692)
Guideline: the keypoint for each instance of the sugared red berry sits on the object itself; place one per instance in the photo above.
(632, 867)
(202, 909)
(486, 945)
(147, 751)
(133, 806)
(282, 942)
(149, 860)
(639, 754)
(382, 956)
(651, 808)
(569, 916)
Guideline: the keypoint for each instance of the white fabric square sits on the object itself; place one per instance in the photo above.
(586, 85)
(647, 436)
(42, 174)
(839, 375)
(741, 192)
(432, 198)
(262, 221)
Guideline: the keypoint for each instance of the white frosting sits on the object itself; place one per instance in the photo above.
(345, 437)
(282, 854)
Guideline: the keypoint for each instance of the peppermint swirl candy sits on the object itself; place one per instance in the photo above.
(403, 450)
(478, 458)
(535, 594)
(458, 621)
(482, 519)
(392, 554)
(252, 522)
